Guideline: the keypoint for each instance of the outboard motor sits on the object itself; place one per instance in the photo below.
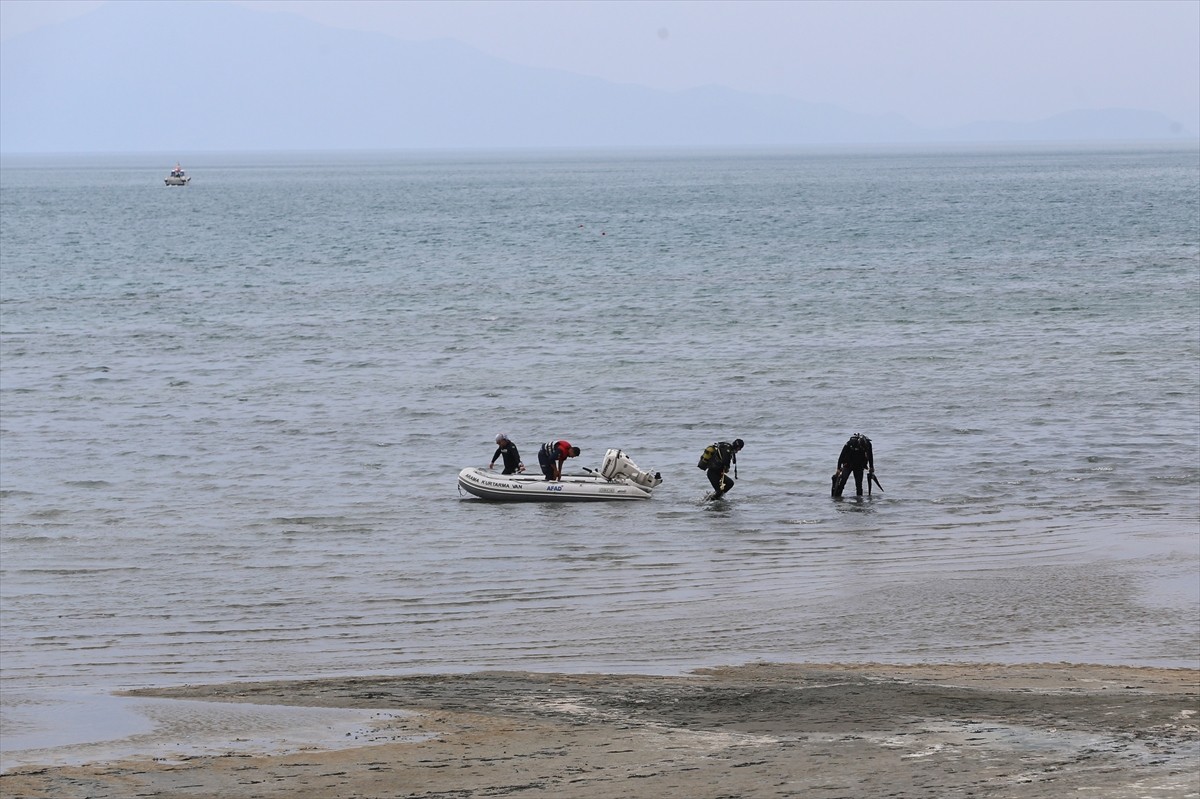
(618, 466)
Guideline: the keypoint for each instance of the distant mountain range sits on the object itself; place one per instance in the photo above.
(212, 76)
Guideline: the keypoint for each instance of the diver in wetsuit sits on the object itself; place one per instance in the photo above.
(716, 460)
(856, 455)
(507, 450)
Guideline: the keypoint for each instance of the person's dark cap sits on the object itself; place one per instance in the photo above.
(737, 442)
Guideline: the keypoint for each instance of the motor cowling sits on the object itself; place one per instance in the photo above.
(618, 466)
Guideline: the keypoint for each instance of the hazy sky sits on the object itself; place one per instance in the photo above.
(939, 63)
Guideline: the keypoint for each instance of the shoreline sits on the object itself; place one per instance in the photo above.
(763, 729)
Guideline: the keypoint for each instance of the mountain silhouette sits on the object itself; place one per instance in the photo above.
(213, 76)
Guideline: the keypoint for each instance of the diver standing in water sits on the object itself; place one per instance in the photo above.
(856, 455)
(716, 460)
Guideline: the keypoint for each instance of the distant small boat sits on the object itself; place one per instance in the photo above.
(177, 177)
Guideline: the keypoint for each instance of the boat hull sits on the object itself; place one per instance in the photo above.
(496, 487)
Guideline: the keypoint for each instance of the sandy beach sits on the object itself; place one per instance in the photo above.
(761, 730)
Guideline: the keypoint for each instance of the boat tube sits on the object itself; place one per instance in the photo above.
(617, 478)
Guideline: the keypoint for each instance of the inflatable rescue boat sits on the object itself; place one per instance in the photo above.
(618, 478)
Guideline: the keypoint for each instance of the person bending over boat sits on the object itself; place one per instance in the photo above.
(716, 460)
(507, 450)
(856, 455)
(553, 455)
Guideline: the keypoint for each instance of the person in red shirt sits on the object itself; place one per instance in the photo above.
(552, 455)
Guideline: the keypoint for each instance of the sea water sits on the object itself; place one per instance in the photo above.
(231, 414)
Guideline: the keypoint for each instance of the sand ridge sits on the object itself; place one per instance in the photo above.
(761, 730)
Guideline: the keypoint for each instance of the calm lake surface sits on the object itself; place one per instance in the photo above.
(231, 414)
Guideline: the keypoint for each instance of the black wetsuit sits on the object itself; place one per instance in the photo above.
(512, 458)
(722, 460)
(856, 456)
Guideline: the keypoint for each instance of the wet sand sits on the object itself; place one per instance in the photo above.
(761, 730)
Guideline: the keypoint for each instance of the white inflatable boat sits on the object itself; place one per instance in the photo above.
(618, 478)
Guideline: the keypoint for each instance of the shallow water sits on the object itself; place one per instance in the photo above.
(232, 414)
(92, 728)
